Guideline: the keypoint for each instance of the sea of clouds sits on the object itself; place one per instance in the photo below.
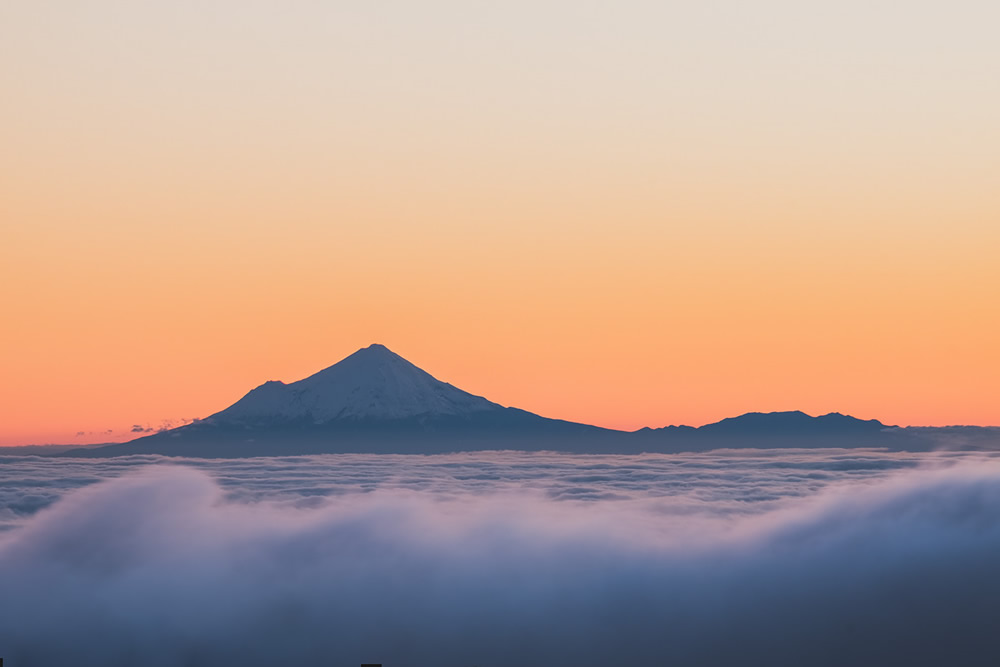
(781, 557)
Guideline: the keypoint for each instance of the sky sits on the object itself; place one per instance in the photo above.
(628, 214)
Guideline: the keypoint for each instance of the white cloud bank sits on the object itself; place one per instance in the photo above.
(163, 566)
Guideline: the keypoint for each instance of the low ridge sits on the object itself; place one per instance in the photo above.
(792, 422)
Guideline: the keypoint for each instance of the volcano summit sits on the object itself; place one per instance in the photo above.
(374, 383)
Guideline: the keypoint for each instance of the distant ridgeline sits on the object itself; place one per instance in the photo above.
(375, 401)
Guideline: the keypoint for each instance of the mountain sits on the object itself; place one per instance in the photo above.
(781, 429)
(372, 401)
(793, 423)
(374, 383)
(375, 401)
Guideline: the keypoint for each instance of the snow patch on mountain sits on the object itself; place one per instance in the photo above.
(372, 383)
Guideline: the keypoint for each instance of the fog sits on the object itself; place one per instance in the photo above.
(750, 558)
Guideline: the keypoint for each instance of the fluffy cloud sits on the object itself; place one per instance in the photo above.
(805, 558)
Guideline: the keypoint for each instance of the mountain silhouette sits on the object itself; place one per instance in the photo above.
(792, 423)
(375, 401)
(372, 401)
(781, 429)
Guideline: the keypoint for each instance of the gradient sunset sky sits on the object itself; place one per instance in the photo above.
(624, 213)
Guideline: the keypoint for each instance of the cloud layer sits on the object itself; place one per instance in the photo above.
(819, 558)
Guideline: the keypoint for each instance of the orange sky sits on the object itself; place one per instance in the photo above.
(625, 215)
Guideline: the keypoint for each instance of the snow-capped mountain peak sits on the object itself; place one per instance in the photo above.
(373, 383)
